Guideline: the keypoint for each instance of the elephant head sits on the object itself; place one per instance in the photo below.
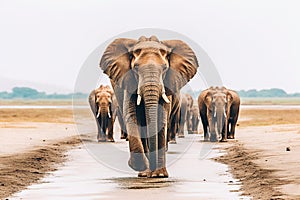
(146, 73)
(103, 102)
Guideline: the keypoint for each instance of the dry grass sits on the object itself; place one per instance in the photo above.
(270, 100)
(37, 115)
(262, 117)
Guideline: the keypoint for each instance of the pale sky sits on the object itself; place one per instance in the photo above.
(253, 44)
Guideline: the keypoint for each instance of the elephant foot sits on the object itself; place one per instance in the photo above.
(101, 137)
(180, 136)
(223, 140)
(206, 139)
(145, 173)
(213, 138)
(190, 132)
(138, 162)
(230, 137)
(110, 140)
(159, 173)
(172, 141)
(123, 137)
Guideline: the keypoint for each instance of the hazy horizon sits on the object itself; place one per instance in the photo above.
(253, 44)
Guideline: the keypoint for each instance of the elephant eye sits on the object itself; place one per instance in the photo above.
(165, 68)
(137, 51)
(135, 68)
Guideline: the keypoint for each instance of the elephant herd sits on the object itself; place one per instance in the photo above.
(146, 76)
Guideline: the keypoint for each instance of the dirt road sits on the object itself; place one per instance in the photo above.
(264, 158)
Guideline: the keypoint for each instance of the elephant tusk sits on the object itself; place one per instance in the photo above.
(138, 101)
(98, 115)
(225, 113)
(109, 116)
(164, 96)
(215, 113)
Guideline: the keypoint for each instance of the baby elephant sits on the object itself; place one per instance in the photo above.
(102, 106)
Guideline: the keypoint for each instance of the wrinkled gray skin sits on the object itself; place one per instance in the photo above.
(219, 108)
(195, 119)
(103, 108)
(146, 75)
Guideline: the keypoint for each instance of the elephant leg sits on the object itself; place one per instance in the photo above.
(225, 131)
(189, 123)
(99, 130)
(122, 125)
(102, 127)
(205, 130)
(232, 130)
(110, 130)
(204, 125)
(212, 130)
(172, 132)
(138, 160)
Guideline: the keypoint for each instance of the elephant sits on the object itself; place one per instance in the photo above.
(195, 119)
(190, 103)
(103, 108)
(185, 114)
(184, 106)
(233, 108)
(219, 108)
(147, 75)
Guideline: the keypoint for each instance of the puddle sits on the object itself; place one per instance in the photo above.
(192, 176)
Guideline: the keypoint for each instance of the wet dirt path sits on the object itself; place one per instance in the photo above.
(193, 175)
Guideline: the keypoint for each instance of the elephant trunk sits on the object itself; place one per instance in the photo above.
(151, 89)
(151, 98)
(220, 116)
(103, 111)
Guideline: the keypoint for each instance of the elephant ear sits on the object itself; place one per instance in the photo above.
(116, 61)
(92, 102)
(183, 65)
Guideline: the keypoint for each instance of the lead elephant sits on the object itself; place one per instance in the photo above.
(146, 75)
(102, 106)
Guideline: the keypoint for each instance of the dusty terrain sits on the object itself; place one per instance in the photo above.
(34, 141)
(265, 155)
